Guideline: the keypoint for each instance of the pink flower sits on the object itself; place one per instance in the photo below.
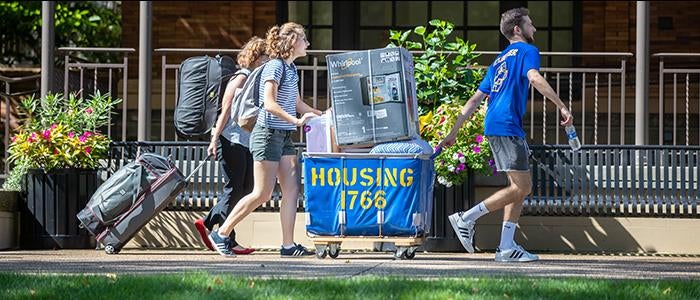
(477, 149)
(71, 134)
(47, 134)
(479, 139)
(32, 138)
(88, 150)
(53, 126)
(82, 139)
(14, 138)
(88, 110)
(442, 120)
(55, 151)
(87, 134)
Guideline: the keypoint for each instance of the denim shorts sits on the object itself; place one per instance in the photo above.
(511, 153)
(270, 144)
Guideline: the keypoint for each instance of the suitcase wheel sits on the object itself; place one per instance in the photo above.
(110, 249)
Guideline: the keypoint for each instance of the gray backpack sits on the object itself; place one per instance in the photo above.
(246, 106)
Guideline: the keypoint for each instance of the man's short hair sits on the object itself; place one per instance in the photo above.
(511, 18)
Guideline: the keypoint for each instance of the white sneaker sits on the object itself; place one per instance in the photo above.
(464, 230)
(515, 254)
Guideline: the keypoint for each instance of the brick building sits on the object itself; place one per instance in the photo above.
(590, 26)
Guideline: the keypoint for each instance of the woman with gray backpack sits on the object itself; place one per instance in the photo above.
(229, 144)
(274, 155)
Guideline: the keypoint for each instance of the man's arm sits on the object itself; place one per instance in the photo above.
(467, 111)
(542, 86)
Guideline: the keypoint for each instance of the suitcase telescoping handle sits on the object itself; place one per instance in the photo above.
(201, 164)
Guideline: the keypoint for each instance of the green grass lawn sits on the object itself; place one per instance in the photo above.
(211, 286)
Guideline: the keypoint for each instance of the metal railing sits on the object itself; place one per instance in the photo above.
(73, 65)
(615, 180)
(582, 88)
(9, 109)
(668, 134)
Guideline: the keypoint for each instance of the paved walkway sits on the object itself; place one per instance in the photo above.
(424, 265)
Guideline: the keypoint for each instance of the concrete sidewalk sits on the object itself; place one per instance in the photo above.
(348, 264)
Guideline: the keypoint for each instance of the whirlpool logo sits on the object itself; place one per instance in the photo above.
(344, 64)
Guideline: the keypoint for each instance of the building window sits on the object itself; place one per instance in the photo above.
(317, 19)
(475, 21)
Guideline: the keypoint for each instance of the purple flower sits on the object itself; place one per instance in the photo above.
(307, 128)
(479, 139)
(491, 162)
(71, 134)
(477, 149)
(460, 168)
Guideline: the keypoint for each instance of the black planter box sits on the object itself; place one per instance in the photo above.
(442, 237)
(48, 212)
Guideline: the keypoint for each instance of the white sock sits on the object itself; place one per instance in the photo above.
(475, 212)
(507, 234)
(290, 246)
(221, 235)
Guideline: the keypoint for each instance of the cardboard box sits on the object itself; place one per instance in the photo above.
(373, 94)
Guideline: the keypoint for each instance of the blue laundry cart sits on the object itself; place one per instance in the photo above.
(368, 197)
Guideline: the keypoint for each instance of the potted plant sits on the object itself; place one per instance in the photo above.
(56, 155)
(446, 76)
(8, 212)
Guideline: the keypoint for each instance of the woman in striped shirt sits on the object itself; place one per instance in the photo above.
(271, 145)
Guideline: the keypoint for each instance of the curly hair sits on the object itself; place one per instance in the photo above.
(511, 18)
(252, 50)
(280, 40)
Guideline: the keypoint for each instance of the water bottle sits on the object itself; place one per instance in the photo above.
(574, 142)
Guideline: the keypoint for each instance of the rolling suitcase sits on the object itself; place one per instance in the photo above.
(129, 199)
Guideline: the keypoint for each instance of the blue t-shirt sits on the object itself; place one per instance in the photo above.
(507, 85)
(287, 92)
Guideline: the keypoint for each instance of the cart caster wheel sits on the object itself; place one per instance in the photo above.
(410, 253)
(400, 253)
(109, 249)
(321, 251)
(334, 250)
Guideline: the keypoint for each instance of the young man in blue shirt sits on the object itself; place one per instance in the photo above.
(506, 84)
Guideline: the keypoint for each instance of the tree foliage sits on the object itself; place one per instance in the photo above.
(77, 24)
